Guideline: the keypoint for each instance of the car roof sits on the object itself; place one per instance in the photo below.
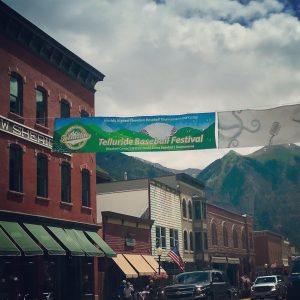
(269, 276)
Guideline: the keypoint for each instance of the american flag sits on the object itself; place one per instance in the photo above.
(175, 256)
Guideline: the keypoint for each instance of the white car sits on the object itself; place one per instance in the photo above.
(269, 287)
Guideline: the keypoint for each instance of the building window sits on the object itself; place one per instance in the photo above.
(198, 241)
(41, 107)
(16, 94)
(197, 210)
(15, 168)
(235, 239)
(42, 175)
(84, 114)
(184, 212)
(160, 237)
(204, 210)
(185, 240)
(65, 182)
(65, 109)
(174, 238)
(251, 240)
(86, 192)
(205, 241)
(214, 234)
(244, 241)
(225, 236)
(190, 210)
(191, 241)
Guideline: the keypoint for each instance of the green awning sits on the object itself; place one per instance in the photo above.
(67, 241)
(47, 241)
(7, 247)
(103, 246)
(21, 238)
(84, 243)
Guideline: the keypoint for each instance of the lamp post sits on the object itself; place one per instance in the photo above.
(159, 253)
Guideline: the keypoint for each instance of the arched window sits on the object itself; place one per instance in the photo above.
(214, 234)
(184, 212)
(65, 109)
(65, 182)
(225, 236)
(185, 239)
(244, 241)
(15, 168)
(16, 94)
(191, 241)
(86, 192)
(235, 238)
(190, 209)
(41, 106)
(42, 175)
(251, 240)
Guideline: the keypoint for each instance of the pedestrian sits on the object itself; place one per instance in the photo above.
(128, 291)
(121, 289)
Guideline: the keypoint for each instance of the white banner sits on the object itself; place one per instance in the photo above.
(250, 128)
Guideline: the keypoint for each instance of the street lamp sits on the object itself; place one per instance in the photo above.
(159, 251)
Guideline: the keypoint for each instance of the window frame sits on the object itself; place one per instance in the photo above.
(235, 238)
(42, 176)
(19, 97)
(65, 182)
(160, 237)
(65, 108)
(191, 240)
(198, 241)
(16, 170)
(85, 188)
(184, 209)
(225, 236)
(174, 239)
(214, 234)
(190, 210)
(42, 109)
(185, 241)
(197, 210)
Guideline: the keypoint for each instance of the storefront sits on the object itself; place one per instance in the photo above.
(59, 260)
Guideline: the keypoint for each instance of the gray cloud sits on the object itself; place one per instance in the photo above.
(179, 57)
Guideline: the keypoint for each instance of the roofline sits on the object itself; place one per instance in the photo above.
(21, 30)
(127, 217)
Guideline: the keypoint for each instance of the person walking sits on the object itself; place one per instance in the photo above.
(128, 291)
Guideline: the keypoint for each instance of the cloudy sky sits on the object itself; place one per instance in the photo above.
(180, 56)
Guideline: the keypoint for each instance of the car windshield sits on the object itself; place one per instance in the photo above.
(296, 266)
(192, 277)
(270, 279)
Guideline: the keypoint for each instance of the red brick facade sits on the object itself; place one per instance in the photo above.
(127, 234)
(268, 249)
(238, 247)
(35, 72)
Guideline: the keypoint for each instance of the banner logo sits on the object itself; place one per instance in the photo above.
(75, 138)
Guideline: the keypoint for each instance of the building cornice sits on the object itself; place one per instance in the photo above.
(36, 41)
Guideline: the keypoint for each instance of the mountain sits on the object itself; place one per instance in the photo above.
(116, 164)
(265, 184)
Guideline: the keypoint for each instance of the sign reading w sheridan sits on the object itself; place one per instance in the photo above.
(135, 134)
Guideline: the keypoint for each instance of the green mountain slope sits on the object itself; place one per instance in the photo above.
(265, 184)
(116, 164)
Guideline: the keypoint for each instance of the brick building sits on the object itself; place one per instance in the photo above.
(269, 250)
(230, 242)
(47, 200)
(130, 237)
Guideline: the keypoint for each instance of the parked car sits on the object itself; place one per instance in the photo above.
(294, 279)
(272, 286)
(204, 285)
